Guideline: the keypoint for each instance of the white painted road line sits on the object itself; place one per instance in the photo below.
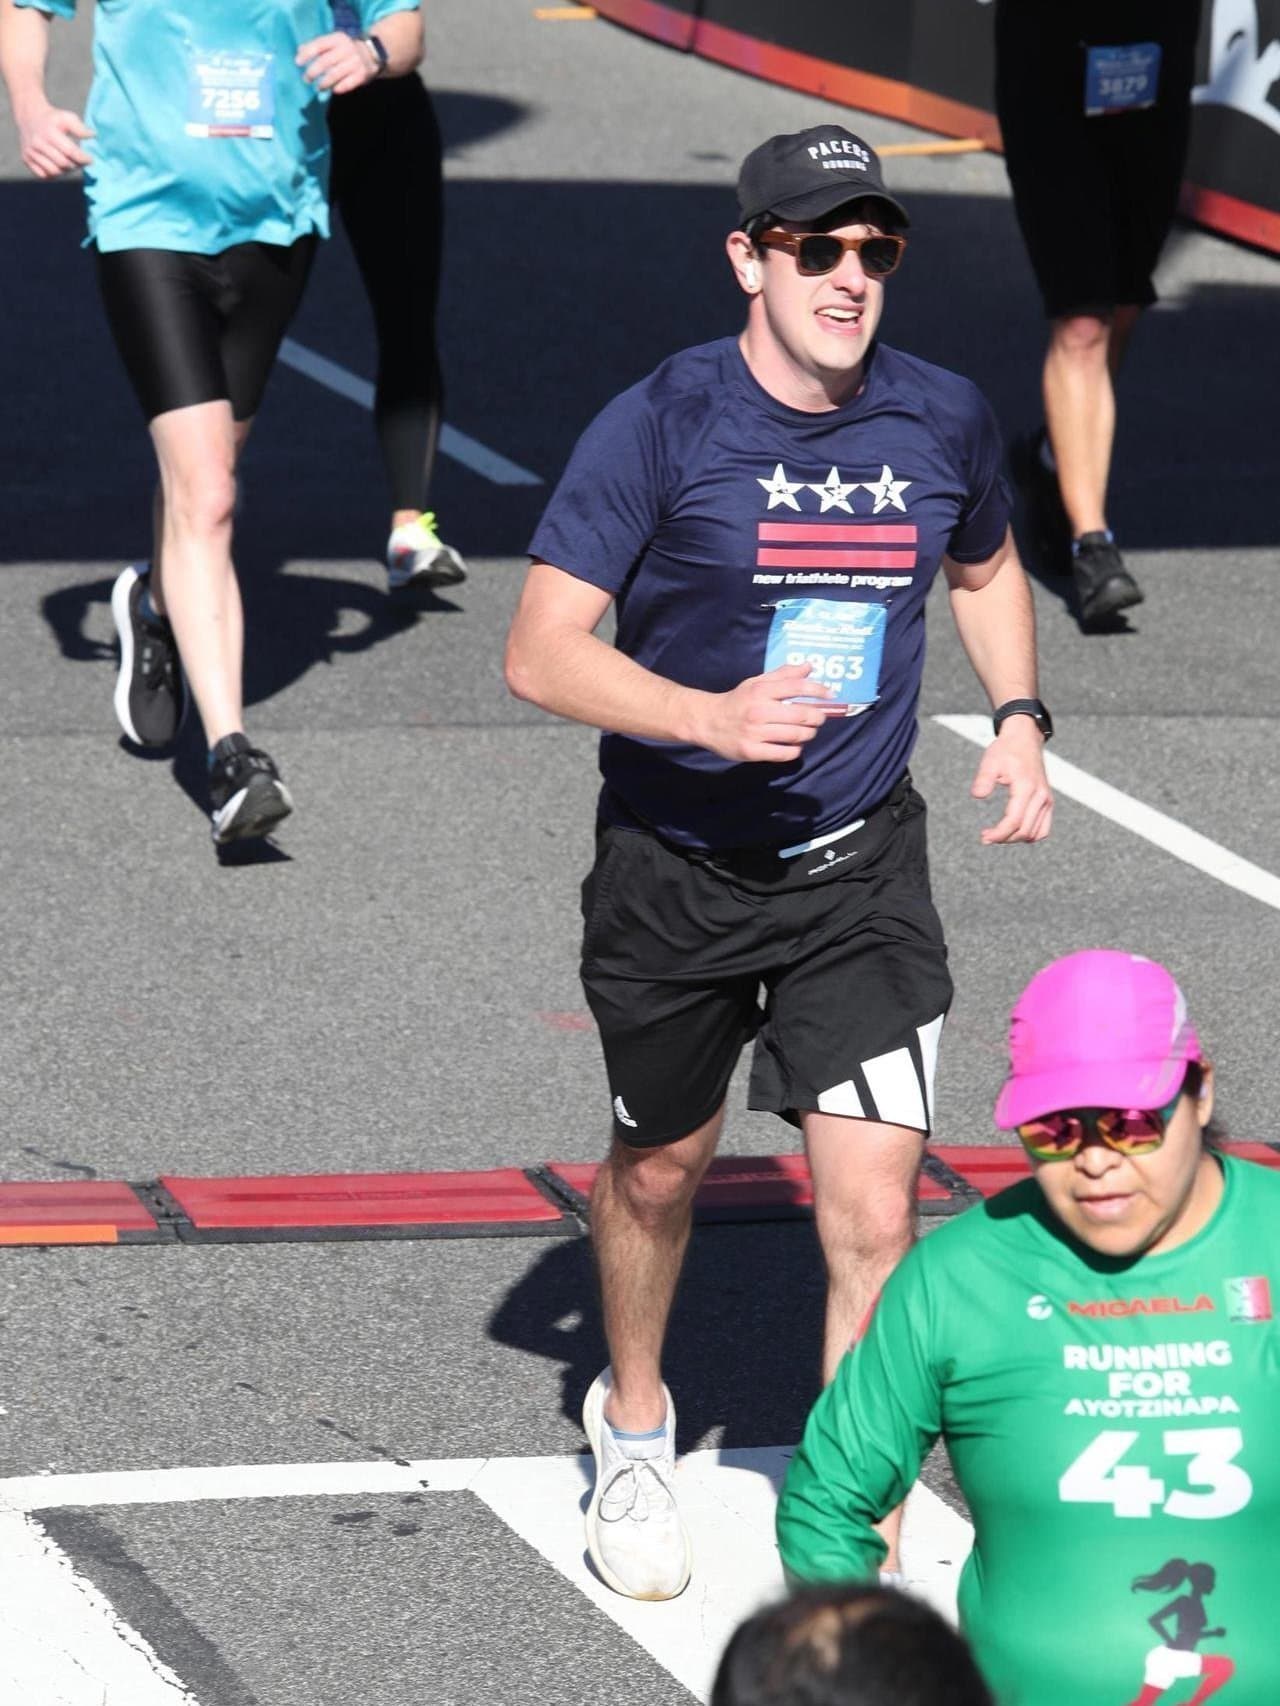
(61, 1644)
(454, 444)
(727, 1498)
(236, 1481)
(1163, 832)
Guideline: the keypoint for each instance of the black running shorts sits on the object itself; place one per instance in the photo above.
(842, 982)
(1094, 196)
(199, 328)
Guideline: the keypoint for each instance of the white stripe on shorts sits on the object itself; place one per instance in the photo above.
(894, 1082)
(901, 1092)
(842, 1099)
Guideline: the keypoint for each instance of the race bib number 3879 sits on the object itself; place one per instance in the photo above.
(231, 95)
(1121, 79)
(842, 642)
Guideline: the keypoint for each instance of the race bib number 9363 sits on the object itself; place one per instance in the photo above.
(841, 641)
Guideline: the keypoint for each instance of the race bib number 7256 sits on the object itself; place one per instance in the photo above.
(231, 95)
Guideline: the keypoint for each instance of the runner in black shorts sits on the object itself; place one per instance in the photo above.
(193, 329)
(1094, 108)
(387, 184)
(768, 514)
(205, 161)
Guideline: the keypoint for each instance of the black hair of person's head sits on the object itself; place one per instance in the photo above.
(848, 1644)
(1215, 1133)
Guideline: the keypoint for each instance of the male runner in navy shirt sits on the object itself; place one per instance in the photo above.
(768, 514)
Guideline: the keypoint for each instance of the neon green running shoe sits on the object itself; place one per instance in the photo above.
(417, 556)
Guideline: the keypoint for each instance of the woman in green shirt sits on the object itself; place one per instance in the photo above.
(1096, 1346)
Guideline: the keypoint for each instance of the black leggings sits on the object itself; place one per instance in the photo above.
(198, 328)
(387, 185)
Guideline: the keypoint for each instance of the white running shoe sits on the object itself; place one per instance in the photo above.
(417, 555)
(634, 1533)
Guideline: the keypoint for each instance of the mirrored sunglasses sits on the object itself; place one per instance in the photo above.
(1129, 1131)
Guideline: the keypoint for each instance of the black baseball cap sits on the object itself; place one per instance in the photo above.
(809, 174)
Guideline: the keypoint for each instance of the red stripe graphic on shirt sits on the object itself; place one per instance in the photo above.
(813, 545)
(836, 533)
(904, 561)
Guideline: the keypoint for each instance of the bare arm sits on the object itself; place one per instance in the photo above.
(49, 136)
(555, 660)
(340, 63)
(401, 35)
(991, 603)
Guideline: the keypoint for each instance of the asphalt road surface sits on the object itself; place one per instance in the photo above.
(396, 987)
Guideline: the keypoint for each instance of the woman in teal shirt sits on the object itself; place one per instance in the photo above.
(205, 154)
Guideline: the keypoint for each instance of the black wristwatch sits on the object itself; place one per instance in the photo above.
(379, 52)
(1033, 708)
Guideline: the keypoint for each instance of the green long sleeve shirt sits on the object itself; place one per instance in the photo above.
(1107, 1421)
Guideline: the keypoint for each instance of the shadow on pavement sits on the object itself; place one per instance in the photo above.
(308, 617)
(556, 296)
(744, 1348)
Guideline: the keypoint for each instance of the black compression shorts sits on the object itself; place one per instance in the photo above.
(199, 328)
(1095, 196)
(678, 949)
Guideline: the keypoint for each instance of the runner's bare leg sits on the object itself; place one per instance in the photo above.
(1080, 414)
(641, 1214)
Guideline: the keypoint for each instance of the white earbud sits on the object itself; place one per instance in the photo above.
(751, 273)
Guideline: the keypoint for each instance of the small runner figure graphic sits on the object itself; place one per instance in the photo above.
(1177, 1659)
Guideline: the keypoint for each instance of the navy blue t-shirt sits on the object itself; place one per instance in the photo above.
(736, 533)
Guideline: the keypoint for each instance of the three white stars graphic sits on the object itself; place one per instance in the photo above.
(834, 492)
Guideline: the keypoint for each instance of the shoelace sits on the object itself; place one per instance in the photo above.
(638, 1502)
(156, 663)
(423, 531)
(249, 759)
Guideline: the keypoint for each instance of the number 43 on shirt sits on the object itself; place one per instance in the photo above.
(1100, 1476)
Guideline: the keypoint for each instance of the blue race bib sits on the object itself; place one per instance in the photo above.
(841, 642)
(1121, 79)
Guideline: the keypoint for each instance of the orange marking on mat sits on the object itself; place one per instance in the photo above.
(961, 145)
(59, 1235)
(563, 14)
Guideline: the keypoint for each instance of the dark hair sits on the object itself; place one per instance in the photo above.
(1215, 1133)
(848, 1644)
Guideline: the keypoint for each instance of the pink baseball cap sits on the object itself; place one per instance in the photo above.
(1098, 1029)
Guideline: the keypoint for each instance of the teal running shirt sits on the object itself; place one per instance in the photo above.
(206, 132)
(1115, 1427)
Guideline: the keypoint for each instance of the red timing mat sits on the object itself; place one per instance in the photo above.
(503, 1196)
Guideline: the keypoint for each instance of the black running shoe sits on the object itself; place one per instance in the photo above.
(1103, 584)
(249, 799)
(151, 691)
